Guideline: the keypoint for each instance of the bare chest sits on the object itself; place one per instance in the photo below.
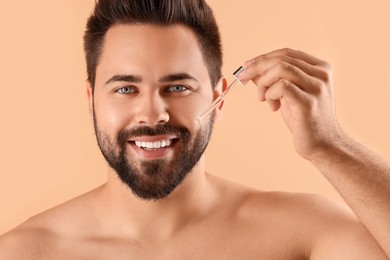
(224, 244)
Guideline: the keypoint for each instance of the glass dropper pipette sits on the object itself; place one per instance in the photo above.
(221, 97)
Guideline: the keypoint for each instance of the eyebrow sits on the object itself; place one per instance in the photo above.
(138, 79)
(125, 78)
(177, 77)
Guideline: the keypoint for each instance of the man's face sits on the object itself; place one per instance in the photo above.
(151, 84)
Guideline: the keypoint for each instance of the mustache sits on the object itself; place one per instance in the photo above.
(179, 131)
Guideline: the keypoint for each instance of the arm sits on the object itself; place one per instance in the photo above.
(301, 87)
(363, 179)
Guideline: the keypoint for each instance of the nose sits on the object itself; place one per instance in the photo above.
(152, 110)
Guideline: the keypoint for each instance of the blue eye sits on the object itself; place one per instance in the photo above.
(177, 88)
(125, 90)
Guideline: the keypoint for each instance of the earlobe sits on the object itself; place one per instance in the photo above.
(219, 89)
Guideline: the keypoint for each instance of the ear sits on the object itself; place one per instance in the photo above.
(90, 96)
(219, 89)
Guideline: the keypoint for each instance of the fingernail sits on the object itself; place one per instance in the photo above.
(249, 62)
(241, 76)
(241, 73)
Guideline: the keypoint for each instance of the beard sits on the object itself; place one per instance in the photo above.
(154, 179)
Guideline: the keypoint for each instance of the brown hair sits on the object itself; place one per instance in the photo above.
(195, 14)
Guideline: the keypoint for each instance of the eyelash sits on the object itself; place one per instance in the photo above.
(120, 90)
(183, 88)
(168, 89)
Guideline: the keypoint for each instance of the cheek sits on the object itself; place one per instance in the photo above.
(111, 117)
(188, 110)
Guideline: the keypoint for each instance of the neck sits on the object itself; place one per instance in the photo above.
(121, 212)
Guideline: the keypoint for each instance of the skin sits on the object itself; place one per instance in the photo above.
(207, 217)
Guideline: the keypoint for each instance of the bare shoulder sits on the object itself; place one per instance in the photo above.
(316, 211)
(249, 202)
(25, 242)
(326, 229)
(299, 216)
(42, 234)
(300, 206)
(311, 225)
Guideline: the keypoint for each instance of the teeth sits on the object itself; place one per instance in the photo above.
(153, 145)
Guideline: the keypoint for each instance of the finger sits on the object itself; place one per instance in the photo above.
(290, 73)
(274, 104)
(261, 93)
(285, 89)
(308, 58)
(260, 90)
(260, 64)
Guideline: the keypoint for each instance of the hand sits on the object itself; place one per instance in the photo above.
(301, 86)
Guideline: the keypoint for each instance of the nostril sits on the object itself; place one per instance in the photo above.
(152, 117)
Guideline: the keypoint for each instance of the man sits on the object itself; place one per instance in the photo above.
(153, 68)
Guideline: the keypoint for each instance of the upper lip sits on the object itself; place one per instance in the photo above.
(152, 138)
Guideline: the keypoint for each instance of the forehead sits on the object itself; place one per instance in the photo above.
(150, 51)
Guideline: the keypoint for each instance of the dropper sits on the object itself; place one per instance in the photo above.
(221, 97)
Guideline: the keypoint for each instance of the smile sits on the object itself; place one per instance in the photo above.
(154, 145)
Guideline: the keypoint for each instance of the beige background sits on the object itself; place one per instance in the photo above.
(48, 152)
